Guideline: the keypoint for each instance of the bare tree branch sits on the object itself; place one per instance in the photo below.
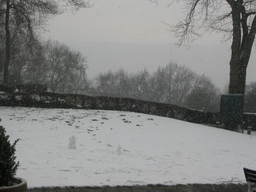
(233, 17)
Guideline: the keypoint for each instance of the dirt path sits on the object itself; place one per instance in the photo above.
(151, 188)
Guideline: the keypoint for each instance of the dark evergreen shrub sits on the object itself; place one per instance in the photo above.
(8, 165)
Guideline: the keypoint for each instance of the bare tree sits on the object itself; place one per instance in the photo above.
(114, 84)
(236, 18)
(105, 84)
(64, 68)
(141, 85)
(36, 68)
(203, 96)
(123, 84)
(23, 17)
(2, 56)
(172, 83)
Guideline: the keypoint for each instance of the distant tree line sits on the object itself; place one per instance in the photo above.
(172, 84)
(52, 63)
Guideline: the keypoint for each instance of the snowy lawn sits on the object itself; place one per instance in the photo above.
(123, 148)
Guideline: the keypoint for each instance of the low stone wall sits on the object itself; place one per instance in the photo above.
(250, 120)
(55, 100)
(30, 88)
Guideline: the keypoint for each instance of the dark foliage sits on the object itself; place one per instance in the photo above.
(8, 165)
(7, 88)
(249, 98)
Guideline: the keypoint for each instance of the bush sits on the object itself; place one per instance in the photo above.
(8, 166)
(32, 88)
(7, 88)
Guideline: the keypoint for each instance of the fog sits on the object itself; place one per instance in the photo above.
(133, 35)
(212, 60)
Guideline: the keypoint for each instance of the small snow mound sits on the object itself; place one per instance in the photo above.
(72, 142)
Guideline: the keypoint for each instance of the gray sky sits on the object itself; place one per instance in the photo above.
(119, 21)
(131, 34)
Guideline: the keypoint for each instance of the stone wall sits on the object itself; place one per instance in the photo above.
(55, 100)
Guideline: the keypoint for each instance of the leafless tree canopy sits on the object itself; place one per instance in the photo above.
(236, 19)
(172, 84)
(22, 19)
(214, 15)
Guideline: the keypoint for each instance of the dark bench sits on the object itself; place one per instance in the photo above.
(250, 176)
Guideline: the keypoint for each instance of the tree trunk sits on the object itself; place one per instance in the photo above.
(241, 50)
(7, 43)
(237, 78)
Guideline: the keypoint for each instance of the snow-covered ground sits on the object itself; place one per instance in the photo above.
(122, 148)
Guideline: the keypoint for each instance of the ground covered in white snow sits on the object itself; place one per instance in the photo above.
(122, 148)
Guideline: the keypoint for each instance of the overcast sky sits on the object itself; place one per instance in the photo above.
(132, 34)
